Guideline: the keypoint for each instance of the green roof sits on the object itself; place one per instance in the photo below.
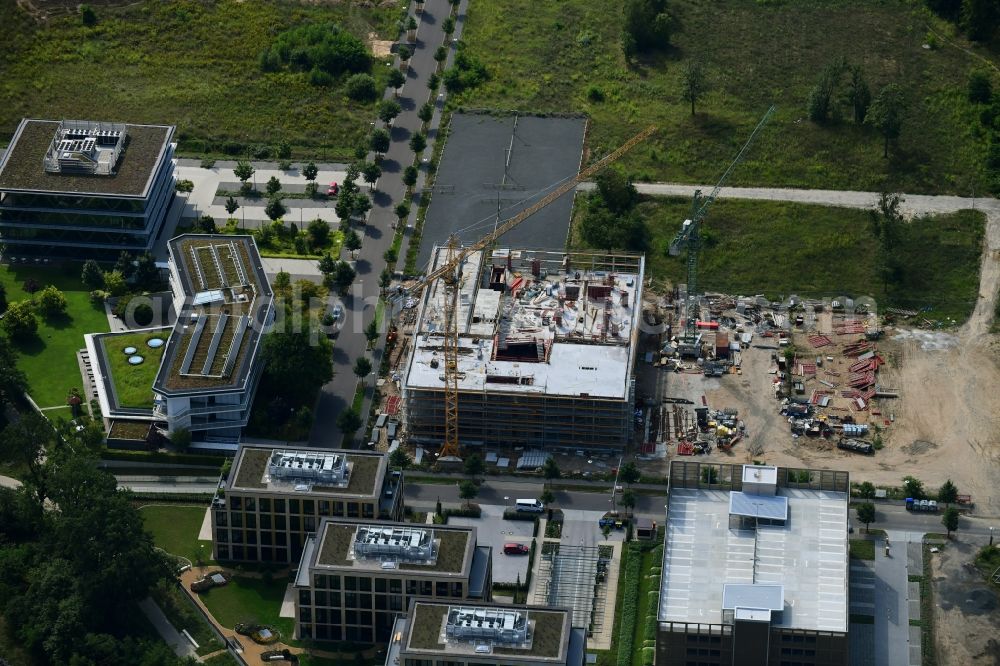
(251, 463)
(336, 540)
(132, 384)
(23, 167)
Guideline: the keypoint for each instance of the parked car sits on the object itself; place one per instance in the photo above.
(333, 190)
(515, 549)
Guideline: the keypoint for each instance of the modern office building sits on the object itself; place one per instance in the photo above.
(439, 633)
(275, 497)
(355, 577)
(546, 351)
(85, 189)
(755, 567)
(211, 365)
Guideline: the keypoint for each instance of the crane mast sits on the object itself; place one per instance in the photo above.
(689, 236)
(450, 274)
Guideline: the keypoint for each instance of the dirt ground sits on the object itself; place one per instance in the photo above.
(965, 609)
(944, 424)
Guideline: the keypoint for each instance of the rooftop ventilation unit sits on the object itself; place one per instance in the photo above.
(408, 544)
(496, 625)
(84, 147)
(305, 467)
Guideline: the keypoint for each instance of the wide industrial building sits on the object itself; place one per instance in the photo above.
(85, 189)
(546, 350)
(755, 567)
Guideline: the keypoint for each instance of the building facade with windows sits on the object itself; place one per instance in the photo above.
(79, 188)
(355, 577)
(755, 567)
(441, 633)
(274, 498)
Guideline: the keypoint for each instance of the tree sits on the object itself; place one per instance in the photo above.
(888, 227)
(352, 241)
(143, 314)
(344, 207)
(433, 81)
(348, 422)
(19, 321)
(410, 176)
(616, 191)
(372, 172)
(180, 439)
(404, 53)
(979, 19)
(243, 171)
(327, 264)
(384, 279)
(362, 367)
(310, 171)
(913, 487)
(647, 26)
(388, 109)
(866, 490)
(866, 513)
(859, 95)
(275, 209)
(979, 87)
(468, 490)
(51, 302)
(92, 275)
(550, 470)
(629, 473)
(361, 205)
(114, 283)
(371, 332)
(399, 459)
(342, 277)
(441, 53)
(273, 186)
(402, 210)
(396, 80)
(24, 443)
(426, 112)
(547, 497)
(13, 383)
(693, 83)
(88, 16)
(950, 520)
(628, 500)
(361, 88)
(418, 142)
(282, 282)
(474, 465)
(885, 114)
(232, 205)
(948, 493)
(295, 364)
(600, 228)
(318, 231)
(379, 141)
(448, 26)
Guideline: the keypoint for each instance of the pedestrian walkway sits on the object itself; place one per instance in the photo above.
(178, 643)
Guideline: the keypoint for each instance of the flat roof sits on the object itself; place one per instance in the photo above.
(335, 549)
(807, 557)
(760, 597)
(548, 632)
(214, 342)
(769, 507)
(571, 330)
(22, 170)
(367, 472)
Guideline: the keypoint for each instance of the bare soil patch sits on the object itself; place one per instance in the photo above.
(966, 609)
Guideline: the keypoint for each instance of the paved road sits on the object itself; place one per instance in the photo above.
(359, 304)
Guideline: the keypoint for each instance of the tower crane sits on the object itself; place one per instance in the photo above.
(450, 275)
(689, 236)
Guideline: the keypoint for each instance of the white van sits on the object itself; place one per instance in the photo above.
(532, 505)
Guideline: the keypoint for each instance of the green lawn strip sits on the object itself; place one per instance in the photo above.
(359, 397)
(49, 360)
(246, 599)
(222, 659)
(778, 249)
(175, 529)
(862, 549)
(647, 584)
(631, 604)
(927, 641)
(940, 149)
(379, 313)
(134, 383)
(165, 62)
(183, 615)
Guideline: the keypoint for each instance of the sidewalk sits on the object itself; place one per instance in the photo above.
(178, 643)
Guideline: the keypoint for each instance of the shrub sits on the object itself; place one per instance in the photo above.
(595, 94)
(980, 89)
(207, 163)
(184, 185)
(87, 15)
(361, 88)
(20, 322)
(143, 314)
(468, 72)
(51, 302)
(323, 46)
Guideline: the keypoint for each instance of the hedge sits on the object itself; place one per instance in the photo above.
(626, 631)
(158, 456)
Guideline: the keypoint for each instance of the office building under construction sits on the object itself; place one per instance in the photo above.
(546, 350)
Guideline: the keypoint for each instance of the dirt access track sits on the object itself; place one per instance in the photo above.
(945, 424)
(965, 608)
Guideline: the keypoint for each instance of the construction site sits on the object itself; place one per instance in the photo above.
(546, 347)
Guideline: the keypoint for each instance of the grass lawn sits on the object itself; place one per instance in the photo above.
(175, 530)
(650, 559)
(756, 54)
(49, 361)
(134, 383)
(862, 549)
(780, 249)
(187, 63)
(250, 600)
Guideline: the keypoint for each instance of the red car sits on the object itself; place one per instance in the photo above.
(515, 549)
(333, 190)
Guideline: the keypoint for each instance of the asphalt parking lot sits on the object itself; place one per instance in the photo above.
(492, 530)
(509, 159)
